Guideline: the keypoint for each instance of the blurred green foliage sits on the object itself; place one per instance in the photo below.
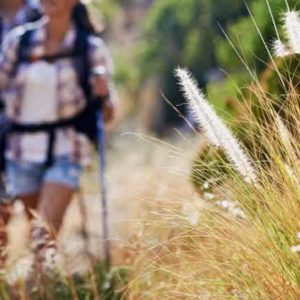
(190, 33)
(233, 36)
(106, 7)
(251, 37)
(246, 35)
(183, 33)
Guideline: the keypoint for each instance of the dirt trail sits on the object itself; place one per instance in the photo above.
(139, 172)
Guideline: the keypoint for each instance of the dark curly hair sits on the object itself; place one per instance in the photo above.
(82, 19)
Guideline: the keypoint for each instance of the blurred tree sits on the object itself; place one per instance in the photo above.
(244, 35)
(183, 33)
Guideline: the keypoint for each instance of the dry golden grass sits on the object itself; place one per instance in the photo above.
(192, 248)
(182, 245)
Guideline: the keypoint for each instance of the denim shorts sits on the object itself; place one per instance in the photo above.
(28, 177)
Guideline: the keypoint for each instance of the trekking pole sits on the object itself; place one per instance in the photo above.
(5, 125)
(102, 170)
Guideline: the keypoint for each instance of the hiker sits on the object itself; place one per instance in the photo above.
(17, 12)
(48, 83)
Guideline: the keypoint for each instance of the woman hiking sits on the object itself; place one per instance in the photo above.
(46, 77)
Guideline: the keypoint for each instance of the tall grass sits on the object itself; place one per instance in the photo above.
(228, 256)
(222, 254)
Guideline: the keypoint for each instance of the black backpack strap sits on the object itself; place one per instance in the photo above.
(86, 124)
(82, 66)
(1, 30)
(1, 40)
(23, 51)
(33, 15)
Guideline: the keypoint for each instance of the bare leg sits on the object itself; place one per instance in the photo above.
(54, 201)
(30, 202)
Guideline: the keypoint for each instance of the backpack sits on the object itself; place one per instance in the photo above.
(84, 122)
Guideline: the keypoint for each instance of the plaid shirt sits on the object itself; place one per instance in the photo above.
(70, 97)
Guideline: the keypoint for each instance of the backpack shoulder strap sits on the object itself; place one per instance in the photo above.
(81, 51)
(25, 41)
(1, 30)
(24, 45)
(33, 15)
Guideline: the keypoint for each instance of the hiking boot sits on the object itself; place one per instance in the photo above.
(5, 211)
(43, 246)
(3, 250)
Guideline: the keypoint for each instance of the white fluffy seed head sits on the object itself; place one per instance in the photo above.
(295, 249)
(292, 30)
(201, 111)
(280, 49)
(285, 135)
(214, 128)
(282, 130)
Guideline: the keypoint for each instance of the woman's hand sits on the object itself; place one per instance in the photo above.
(101, 90)
(109, 110)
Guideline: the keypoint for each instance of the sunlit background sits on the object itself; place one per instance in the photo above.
(214, 39)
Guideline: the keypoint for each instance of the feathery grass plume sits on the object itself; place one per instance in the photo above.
(285, 137)
(214, 128)
(280, 49)
(292, 30)
(282, 130)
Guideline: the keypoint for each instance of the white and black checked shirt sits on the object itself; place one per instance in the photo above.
(70, 97)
